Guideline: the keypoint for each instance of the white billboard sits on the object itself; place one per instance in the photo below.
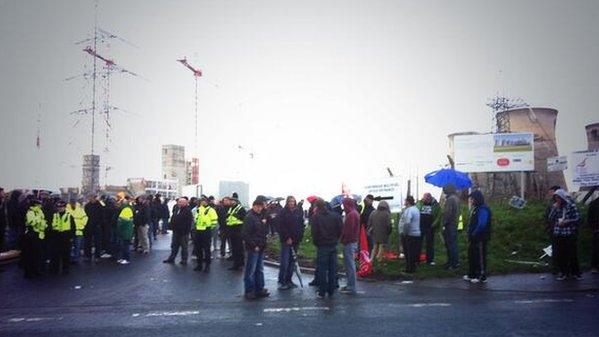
(385, 187)
(499, 152)
(586, 168)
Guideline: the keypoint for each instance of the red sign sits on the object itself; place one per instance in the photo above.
(503, 162)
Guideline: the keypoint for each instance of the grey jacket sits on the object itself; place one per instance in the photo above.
(451, 210)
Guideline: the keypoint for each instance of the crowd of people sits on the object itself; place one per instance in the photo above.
(53, 234)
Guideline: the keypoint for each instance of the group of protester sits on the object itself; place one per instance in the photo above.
(52, 231)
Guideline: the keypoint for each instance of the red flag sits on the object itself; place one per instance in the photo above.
(364, 256)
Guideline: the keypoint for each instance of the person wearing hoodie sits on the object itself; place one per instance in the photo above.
(566, 219)
(349, 238)
(479, 233)
(326, 229)
(411, 233)
(291, 221)
(451, 213)
(429, 217)
(379, 223)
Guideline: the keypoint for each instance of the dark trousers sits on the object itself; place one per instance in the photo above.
(327, 269)
(286, 267)
(60, 251)
(411, 251)
(106, 229)
(236, 245)
(428, 241)
(567, 255)
(125, 249)
(202, 241)
(477, 258)
(224, 238)
(253, 278)
(450, 235)
(179, 241)
(595, 251)
(91, 235)
(31, 254)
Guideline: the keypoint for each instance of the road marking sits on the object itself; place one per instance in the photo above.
(32, 319)
(546, 300)
(422, 305)
(168, 313)
(296, 309)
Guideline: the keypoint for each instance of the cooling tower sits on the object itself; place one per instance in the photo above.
(593, 136)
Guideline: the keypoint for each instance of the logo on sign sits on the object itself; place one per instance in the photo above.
(503, 162)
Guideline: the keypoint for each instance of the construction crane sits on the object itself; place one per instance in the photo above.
(197, 73)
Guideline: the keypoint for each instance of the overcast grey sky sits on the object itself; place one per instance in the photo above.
(321, 91)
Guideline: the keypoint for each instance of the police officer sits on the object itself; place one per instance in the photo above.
(206, 222)
(74, 208)
(63, 231)
(35, 233)
(235, 216)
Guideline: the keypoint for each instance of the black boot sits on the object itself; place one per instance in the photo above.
(198, 268)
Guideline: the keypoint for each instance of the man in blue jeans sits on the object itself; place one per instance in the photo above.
(451, 213)
(326, 230)
(254, 232)
(349, 239)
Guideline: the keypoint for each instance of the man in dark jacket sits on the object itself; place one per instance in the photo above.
(142, 217)
(291, 222)
(326, 231)
(593, 221)
(92, 232)
(254, 234)
(451, 213)
(429, 218)
(221, 211)
(165, 215)
(181, 221)
(479, 233)
(365, 210)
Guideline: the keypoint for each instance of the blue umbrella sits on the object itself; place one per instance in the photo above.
(338, 200)
(444, 177)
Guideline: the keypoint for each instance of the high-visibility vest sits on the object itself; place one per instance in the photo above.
(35, 221)
(78, 214)
(206, 218)
(61, 223)
(362, 207)
(126, 213)
(231, 218)
(461, 223)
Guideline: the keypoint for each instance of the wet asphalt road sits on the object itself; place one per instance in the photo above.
(148, 298)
